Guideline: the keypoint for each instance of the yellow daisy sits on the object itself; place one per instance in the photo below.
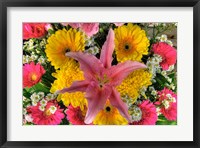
(61, 42)
(133, 83)
(131, 43)
(64, 78)
(109, 116)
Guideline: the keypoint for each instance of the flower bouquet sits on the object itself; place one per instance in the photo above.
(99, 74)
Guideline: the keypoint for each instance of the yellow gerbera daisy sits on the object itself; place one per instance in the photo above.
(64, 78)
(133, 83)
(131, 43)
(61, 42)
(109, 116)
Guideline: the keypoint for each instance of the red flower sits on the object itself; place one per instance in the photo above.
(168, 103)
(32, 74)
(148, 114)
(167, 52)
(33, 30)
(51, 115)
(75, 115)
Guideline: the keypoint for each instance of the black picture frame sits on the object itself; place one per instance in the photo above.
(4, 4)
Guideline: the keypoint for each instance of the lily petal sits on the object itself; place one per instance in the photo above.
(96, 98)
(89, 64)
(107, 50)
(119, 72)
(116, 101)
(76, 86)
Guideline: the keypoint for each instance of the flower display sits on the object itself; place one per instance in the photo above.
(32, 74)
(93, 74)
(33, 30)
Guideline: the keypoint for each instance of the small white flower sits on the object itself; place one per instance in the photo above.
(172, 99)
(28, 118)
(24, 111)
(154, 92)
(158, 111)
(169, 42)
(164, 73)
(43, 102)
(41, 95)
(34, 103)
(166, 104)
(168, 95)
(41, 60)
(52, 109)
(171, 68)
(41, 108)
(163, 38)
(50, 97)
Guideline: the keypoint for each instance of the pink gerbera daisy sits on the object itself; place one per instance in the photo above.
(75, 115)
(167, 52)
(144, 114)
(168, 103)
(51, 114)
(32, 74)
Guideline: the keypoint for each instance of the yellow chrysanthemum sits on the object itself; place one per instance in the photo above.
(60, 43)
(109, 116)
(64, 78)
(133, 83)
(131, 43)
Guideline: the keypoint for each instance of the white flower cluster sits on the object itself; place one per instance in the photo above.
(164, 73)
(153, 64)
(41, 60)
(135, 112)
(28, 59)
(127, 100)
(93, 50)
(163, 38)
(29, 45)
(153, 91)
(36, 97)
(168, 100)
(52, 109)
(142, 92)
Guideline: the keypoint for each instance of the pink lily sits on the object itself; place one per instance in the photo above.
(101, 78)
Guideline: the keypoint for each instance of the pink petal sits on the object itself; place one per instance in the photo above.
(107, 50)
(89, 64)
(76, 86)
(119, 72)
(96, 100)
(116, 101)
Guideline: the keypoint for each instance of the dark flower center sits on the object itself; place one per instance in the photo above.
(126, 47)
(67, 50)
(108, 108)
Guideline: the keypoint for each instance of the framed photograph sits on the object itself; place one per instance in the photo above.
(99, 73)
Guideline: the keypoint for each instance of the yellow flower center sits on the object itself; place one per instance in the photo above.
(47, 112)
(33, 77)
(108, 109)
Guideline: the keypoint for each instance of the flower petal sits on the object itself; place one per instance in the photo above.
(116, 101)
(96, 100)
(107, 50)
(89, 64)
(119, 72)
(76, 86)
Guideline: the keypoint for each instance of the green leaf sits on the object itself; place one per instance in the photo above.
(163, 121)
